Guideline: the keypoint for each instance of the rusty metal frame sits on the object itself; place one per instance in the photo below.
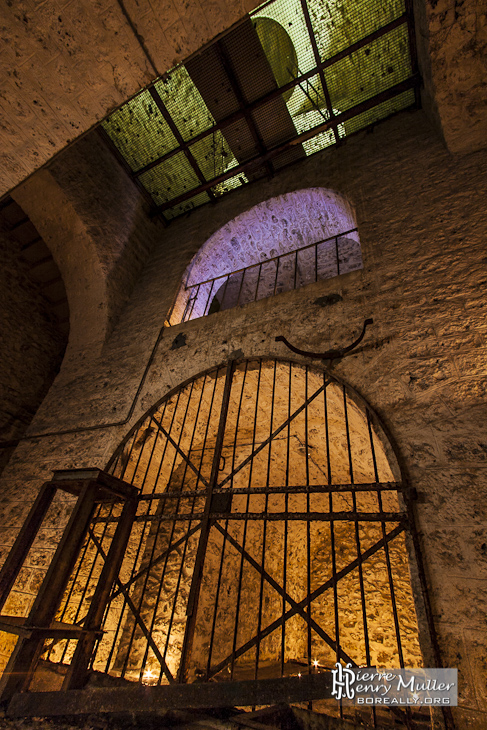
(244, 112)
(87, 630)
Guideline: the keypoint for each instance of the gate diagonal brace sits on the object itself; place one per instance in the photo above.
(137, 616)
(274, 434)
(330, 354)
(302, 612)
(315, 594)
(180, 451)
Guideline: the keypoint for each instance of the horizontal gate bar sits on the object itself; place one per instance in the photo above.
(143, 698)
(302, 488)
(281, 516)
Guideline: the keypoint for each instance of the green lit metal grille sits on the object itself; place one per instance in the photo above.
(291, 79)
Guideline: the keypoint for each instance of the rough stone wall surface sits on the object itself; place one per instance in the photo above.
(452, 53)
(66, 65)
(31, 347)
(422, 222)
(95, 222)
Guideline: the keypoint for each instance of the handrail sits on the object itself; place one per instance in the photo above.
(274, 258)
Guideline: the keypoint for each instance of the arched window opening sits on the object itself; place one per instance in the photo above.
(282, 244)
(269, 541)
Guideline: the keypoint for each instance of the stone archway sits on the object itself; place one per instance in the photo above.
(270, 534)
(283, 243)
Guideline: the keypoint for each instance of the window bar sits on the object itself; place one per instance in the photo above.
(295, 269)
(224, 291)
(188, 302)
(386, 547)
(208, 302)
(316, 262)
(338, 256)
(220, 572)
(241, 286)
(358, 547)
(278, 260)
(239, 592)
(264, 527)
(258, 280)
(195, 299)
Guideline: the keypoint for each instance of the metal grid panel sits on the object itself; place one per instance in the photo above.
(184, 103)
(139, 131)
(338, 24)
(370, 70)
(187, 206)
(214, 155)
(381, 111)
(329, 57)
(170, 179)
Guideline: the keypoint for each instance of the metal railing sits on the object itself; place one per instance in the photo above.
(323, 259)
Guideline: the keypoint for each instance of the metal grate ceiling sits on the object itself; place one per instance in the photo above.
(294, 77)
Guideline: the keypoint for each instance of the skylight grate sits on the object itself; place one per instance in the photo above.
(266, 95)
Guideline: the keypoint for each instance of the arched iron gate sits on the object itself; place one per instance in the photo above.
(269, 538)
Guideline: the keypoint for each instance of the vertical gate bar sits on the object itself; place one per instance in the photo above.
(23, 542)
(139, 546)
(332, 534)
(163, 455)
(239, 591)
(163, 574)
(200, 466)
(147, 574)
(308, 528)
(316, 262)
(386, 547)
(186, 543)
(217, 597)
(295, 269)
(76, 674)
(358, 547)
(193, 598)
(264, 526)
(286, 510)
(338, 256)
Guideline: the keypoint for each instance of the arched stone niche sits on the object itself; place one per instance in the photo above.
(276, 227)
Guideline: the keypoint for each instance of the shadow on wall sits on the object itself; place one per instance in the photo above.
(281, 244)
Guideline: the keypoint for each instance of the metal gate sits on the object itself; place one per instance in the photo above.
(269, 538)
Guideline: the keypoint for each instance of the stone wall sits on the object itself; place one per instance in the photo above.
(422, 224)
(31, 345)
(65, 65)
